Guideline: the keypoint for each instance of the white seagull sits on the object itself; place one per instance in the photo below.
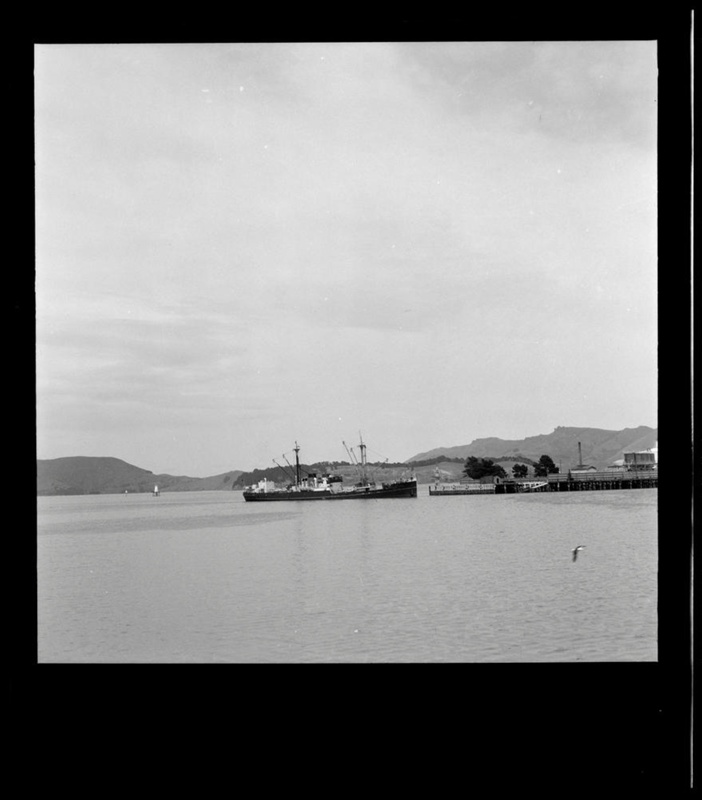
(575, 551)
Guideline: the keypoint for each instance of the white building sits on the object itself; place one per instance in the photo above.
(642, 459)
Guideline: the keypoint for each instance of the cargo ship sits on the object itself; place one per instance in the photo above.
(328, 487)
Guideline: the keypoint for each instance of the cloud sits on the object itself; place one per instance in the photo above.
(223, 230)
(577, 91)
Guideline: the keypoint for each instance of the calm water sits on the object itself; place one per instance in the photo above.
(205, 577)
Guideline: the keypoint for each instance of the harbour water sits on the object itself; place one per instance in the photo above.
(204, 577)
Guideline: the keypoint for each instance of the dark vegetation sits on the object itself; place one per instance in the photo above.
(545, 467)
(477, 468)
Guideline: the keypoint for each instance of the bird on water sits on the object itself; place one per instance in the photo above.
(575, 551)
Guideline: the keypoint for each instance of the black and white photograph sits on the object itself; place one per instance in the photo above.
(417, 278)
(350, 356)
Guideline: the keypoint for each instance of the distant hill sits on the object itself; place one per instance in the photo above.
(94, 475)
(599, 447)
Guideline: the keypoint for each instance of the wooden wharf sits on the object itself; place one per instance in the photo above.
(578, 482)
(599, 481)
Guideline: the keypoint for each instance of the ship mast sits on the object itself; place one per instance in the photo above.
(298, 480)
(363, 458)
(360, 464)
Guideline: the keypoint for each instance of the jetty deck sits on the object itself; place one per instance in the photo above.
(598, 481)
(579, 482)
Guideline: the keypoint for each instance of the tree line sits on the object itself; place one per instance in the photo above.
(477, 468)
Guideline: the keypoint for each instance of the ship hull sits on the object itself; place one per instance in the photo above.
(400, 489)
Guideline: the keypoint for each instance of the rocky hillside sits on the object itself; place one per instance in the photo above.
(599, 447)
(88, 475)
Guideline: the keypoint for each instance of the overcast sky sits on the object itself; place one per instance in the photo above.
(244, 245)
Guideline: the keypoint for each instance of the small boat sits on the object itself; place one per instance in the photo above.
(328, 487)
(156, 491)
(533, 486)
